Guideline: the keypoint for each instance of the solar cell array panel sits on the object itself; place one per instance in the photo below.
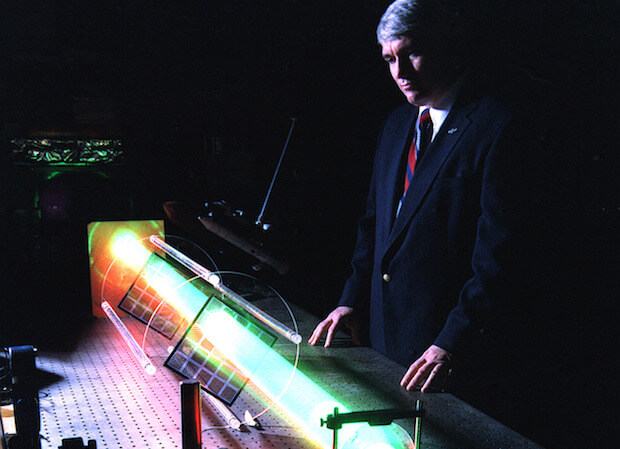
(196, 357)
(146, 303)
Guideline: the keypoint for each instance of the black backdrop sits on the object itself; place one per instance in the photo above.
(202, 93)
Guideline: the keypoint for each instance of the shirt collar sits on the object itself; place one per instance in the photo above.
(442, 107)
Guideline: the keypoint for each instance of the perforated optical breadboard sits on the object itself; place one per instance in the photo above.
(102, 393)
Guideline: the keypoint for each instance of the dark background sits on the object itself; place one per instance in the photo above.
(173, 79)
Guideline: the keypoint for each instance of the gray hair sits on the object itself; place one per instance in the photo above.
(399, 20)
(430, 22)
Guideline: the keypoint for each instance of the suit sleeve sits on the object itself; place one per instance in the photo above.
(500, 251)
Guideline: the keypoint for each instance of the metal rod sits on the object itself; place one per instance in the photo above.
(3, 442)
(259, 220)
(417, 433)
(243, 244)
(216, 282)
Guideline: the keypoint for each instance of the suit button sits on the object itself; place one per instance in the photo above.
(387, 277)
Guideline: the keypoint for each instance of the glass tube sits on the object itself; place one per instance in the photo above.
(131, 342)
(230, 417)
(216, 282)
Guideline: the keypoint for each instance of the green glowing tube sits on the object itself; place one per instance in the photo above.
(293, 395)
(299, 398)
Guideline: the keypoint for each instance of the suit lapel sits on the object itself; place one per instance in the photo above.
(429, 166)
(392, 183)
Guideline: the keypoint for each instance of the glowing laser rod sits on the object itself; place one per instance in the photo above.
(131, 342)
(302, 403)
(214, 280)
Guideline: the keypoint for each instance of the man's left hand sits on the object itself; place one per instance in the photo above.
(429, 366)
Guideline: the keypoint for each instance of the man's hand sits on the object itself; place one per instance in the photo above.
(340, 315)
(429, 366)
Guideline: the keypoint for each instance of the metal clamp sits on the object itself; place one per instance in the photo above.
(375, 418)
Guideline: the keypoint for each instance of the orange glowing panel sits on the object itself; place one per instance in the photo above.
(117, 251)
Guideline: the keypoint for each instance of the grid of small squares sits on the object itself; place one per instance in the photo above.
(196, 358)
(142, 300)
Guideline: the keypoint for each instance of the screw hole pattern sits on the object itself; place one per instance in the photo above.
(104, 394)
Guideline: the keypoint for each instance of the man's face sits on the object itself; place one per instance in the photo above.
(422, 78)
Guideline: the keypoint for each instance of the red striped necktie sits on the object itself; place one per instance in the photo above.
(423, 135)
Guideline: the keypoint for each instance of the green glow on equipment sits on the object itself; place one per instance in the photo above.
(294, 395)
(177, 290)
(297, 397)
(392, 436)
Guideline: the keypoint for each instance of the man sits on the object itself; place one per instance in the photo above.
(433, 251)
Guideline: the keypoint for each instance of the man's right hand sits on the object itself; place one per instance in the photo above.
(340, 315)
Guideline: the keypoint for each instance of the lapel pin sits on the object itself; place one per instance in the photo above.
(452, 130)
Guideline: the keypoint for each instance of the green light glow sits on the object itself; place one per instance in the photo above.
(392, 436)
(67, 152)
(53, 175)
(177, 291)
(303, 403)
(298, 399)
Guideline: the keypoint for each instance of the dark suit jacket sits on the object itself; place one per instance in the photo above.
(447, 252)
